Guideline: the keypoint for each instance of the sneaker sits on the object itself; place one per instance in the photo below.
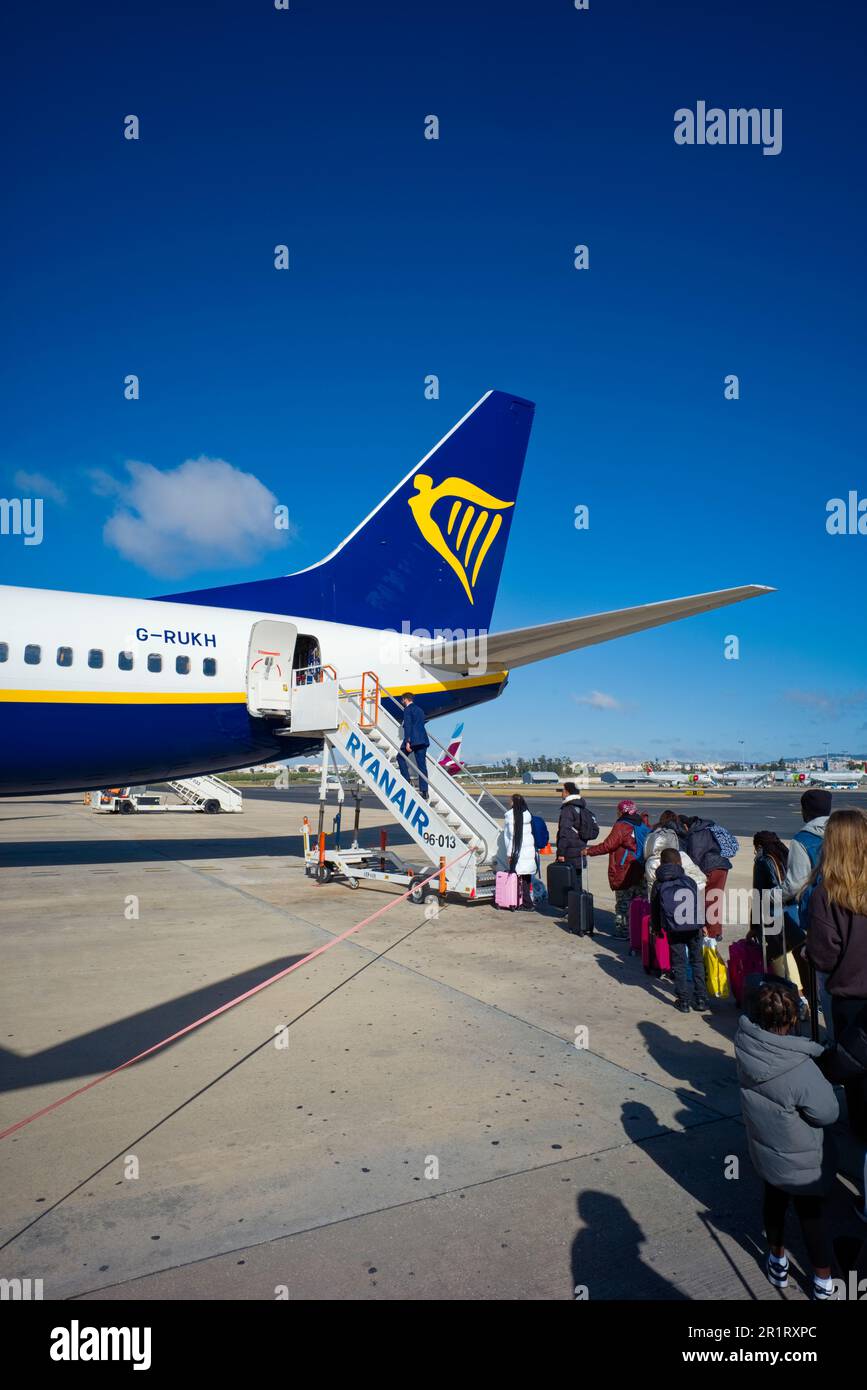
(777, 1270)
(621, 932)
(822, 1291)
(682, 1006)
(701, 1006)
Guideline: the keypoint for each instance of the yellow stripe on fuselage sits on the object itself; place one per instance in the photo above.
(122, 697)
(209, 697)
(493, 678)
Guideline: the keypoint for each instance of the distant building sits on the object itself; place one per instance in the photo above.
(544, 779)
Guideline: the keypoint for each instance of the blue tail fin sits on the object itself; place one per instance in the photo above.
(431, 553)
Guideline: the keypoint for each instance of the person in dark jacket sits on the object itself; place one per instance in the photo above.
(703, 847)
(837, 934)
(577, 825)
(782, 934)
(414, 742)
(787, 1103)
(625, 861)
(674, 909)
(843, 1063)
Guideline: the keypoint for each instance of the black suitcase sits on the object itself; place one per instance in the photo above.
(579, 913)
(563, 878)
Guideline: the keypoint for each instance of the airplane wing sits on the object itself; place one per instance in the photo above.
(523, 645)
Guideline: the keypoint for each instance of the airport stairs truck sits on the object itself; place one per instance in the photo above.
(451, 829)
(208, 794)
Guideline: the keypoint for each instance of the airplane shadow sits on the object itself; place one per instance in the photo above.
(22, 854)
(104, 1048)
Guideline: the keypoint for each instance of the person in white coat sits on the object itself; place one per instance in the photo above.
(520, 850)
(664, 836)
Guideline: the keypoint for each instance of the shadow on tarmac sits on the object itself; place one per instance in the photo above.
(104, 1048)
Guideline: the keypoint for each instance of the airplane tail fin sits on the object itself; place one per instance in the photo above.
(430, 554)
(450, 760)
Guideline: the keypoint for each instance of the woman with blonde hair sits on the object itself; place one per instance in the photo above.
(837, 935)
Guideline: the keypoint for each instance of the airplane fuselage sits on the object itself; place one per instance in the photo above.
(97, 691)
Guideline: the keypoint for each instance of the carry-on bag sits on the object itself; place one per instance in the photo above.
(506, 890)
(562, 880)
(579, 912)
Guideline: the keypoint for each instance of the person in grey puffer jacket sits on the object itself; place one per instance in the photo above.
(786, 1104)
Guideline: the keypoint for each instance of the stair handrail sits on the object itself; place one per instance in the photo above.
(448, 798)
(484, 790)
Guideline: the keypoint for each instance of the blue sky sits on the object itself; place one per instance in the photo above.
(454, 257)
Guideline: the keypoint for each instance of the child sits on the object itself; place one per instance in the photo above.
(674, 909)
(786, 1102)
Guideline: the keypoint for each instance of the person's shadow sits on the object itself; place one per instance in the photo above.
(606, 1254)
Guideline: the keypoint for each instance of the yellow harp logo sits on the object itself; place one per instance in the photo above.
(470, 530)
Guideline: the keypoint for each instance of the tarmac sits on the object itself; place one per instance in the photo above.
(407, 1116)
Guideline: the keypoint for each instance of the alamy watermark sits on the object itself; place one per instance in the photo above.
(713, 125)
(22, 516)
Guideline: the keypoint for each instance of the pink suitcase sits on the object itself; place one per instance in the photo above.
(506, 890)
(745, 958)
(638, 909)
(655, 953)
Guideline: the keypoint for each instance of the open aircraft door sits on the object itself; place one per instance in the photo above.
(269, 667)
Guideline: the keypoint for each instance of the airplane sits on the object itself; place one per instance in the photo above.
(100, 691)
(728, 778)
(665, 779)
(449, 759)
(647, 778)
(840, 781)
(633, 779)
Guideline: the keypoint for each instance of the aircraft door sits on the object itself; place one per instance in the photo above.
(269, 667)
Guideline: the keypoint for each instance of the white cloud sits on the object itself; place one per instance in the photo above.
(597, 699)
(825, 703)
(205, 514)
(37, 485)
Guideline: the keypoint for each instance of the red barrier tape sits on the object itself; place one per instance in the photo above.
(215, 1013)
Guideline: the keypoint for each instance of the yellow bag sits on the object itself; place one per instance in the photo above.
(715, 973)
(786, 967)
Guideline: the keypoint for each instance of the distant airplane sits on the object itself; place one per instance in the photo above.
(665, 779)
(841, 781)
(449, 759)
(740, 779)
(628, 779)
(97, 691)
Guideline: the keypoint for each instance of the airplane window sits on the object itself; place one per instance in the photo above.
(32, 654)
(155, 662)
(64, 656)
(124, 661)
(94, 658)
(182, 665)
(209, 666)
(4, 651)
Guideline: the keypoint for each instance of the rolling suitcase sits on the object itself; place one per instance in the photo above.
(655, 953)
(579, 912)
(562, 880)
(639, 908)
(745, 958)
(506, 890)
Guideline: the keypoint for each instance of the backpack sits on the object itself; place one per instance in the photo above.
(640, 834)
(813, 845)
(540, 832)
(728, 845)
(588, 826)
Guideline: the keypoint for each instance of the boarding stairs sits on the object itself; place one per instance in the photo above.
(210, 794)
(451, 827)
